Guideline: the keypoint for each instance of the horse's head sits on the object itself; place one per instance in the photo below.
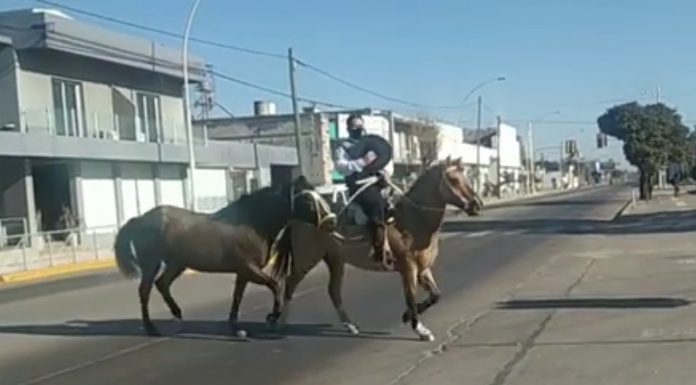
(455, 188)
(308, 206)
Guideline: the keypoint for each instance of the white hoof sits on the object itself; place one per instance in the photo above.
(240, 333)
(424, 333)
(351, 328)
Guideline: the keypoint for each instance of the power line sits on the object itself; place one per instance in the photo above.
(276, 92)
(249, 51)
(370, 92)
(162, 31)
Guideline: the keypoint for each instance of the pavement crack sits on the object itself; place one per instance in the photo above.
(452, 337)
(502, 376)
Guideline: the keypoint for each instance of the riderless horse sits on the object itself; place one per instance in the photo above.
(412, 242)
(238, 239)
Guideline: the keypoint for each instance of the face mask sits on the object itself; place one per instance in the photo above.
(355, 132)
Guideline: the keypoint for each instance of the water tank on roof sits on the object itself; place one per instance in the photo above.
(262, 107)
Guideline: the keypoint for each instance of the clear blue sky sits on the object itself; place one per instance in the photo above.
(571, 56)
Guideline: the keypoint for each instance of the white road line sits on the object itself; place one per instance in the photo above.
(478, 234)
(680, 203)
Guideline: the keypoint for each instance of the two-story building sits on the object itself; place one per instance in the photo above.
(93, 120)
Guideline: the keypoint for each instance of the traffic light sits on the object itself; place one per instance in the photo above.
(571, 147)
(601, 140)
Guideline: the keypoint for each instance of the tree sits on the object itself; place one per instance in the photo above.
(652, 134)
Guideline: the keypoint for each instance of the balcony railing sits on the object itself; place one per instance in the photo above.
(107, 126)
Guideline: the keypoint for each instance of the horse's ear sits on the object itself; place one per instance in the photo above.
(448, 160)
(458, 163)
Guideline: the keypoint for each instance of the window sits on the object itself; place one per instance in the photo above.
(68, 107)
(149, 117)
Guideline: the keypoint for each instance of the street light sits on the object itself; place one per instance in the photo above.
(478, 126)
(187, 110)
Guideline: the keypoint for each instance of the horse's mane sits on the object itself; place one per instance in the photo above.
(248, 206)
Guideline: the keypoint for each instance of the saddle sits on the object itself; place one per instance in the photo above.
(353, 218)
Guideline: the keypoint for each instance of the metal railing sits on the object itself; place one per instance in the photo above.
(59, 247)
(10, 228)
(107, 126)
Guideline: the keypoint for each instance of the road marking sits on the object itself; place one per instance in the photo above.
(478, 234)
(510, 233)
(680, 203)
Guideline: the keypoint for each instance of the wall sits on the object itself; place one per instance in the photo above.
(109, 92)
(510, 147)
(211, 189)
(9, 106)
(137, 189)
(98, 193)
(172, 185)
(451, 144)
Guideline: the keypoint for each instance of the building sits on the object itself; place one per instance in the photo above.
(415, 141)
(319, 133)
(92, 120)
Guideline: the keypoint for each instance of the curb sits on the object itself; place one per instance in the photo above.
(62, 270)
(624, 208)
(50, 272)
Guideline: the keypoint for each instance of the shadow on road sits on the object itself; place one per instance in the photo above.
(669, 222)
(198, 330)
(594, 303)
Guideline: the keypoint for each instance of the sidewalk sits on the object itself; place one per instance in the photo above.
(609, 308)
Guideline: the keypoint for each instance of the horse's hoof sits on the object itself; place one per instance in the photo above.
(406, 317)
(427, 337)
(352, 329)
(272, 319)
(241, 333)
(424, 333)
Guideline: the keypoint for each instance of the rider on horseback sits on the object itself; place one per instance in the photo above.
(370, 198)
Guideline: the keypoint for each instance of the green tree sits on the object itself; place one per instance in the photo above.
(652, 135)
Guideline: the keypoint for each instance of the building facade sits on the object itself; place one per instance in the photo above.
(92, 121)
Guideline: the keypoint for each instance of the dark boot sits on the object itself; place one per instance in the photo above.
(378, 233)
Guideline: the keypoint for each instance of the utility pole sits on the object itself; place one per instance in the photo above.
(478, 146)
(296, 112)
(530, 156)
(498, 166)
(560, 166)
(187, 108)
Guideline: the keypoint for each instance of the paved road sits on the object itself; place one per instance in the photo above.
(87, 330)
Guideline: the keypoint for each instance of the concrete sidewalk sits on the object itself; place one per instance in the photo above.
(612, 308)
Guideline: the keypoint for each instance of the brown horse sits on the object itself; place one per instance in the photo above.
(413, 241)
(236, 239)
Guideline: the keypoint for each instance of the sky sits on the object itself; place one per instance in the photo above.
(565, 62)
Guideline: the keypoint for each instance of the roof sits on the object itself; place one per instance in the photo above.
(51, 29)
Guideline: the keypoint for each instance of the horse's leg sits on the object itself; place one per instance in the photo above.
(164, 283)
(336, 270)
(256, 275)
(427, 281)
(409, 278)
(149, 272)
(240, 285)
(291, 284)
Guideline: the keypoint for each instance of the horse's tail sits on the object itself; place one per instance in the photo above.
(282, 266)
(124, 246)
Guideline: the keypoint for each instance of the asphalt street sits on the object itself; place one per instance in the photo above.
(86, 329)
